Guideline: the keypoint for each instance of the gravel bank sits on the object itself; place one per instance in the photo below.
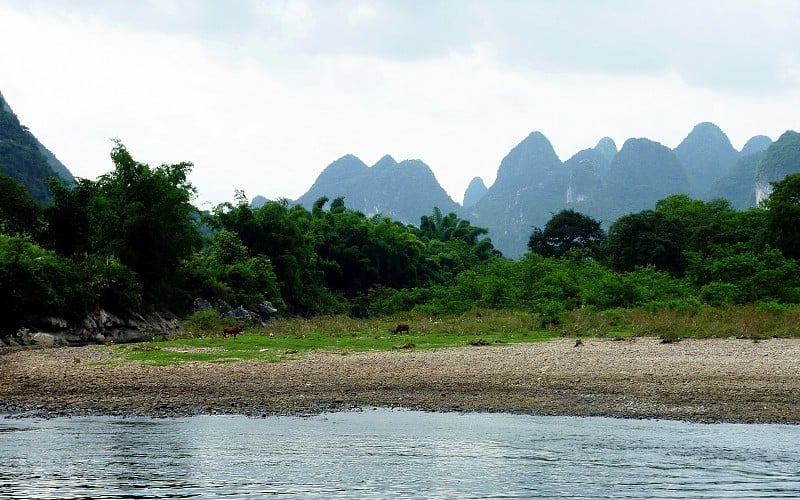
(705, 380)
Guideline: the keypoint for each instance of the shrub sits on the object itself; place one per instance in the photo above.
(39, 282)
(205, 323)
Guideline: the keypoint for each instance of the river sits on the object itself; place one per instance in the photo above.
(381, 453)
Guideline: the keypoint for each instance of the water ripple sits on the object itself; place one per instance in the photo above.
(402, 454)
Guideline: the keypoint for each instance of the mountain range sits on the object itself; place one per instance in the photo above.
(532, 183)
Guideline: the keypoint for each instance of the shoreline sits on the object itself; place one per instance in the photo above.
(705, 380)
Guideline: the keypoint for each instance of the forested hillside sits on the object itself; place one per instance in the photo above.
(25, 159)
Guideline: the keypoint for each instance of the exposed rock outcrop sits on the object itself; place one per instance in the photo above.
(98, 328)
(266, 311)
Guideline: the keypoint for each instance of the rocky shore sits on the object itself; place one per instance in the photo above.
(702, 380)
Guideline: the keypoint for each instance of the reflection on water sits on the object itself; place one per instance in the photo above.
(384, 453)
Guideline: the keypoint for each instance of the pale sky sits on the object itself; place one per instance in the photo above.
(263, 95)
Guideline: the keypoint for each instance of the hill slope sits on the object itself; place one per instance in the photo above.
(404, 191)
(25, 159)
(780, 159)
(707, 155)
(531, 185)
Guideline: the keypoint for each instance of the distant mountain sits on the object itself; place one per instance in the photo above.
(258, 201)
(780, 159)
(530, 187)
(608, 148)
(532, 184)
(707, 155)
(591, 156)
(642, 173)
(738, 185)
(404, 191)
(586, 189)
(25, 159)
(756, 144)
(474, 192)
(587, 168)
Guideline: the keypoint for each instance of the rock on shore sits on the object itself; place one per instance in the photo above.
(98, 328)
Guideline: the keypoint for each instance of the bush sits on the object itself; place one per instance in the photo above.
(205, 323)
(34, 281)
(114, 286)
(549, 312)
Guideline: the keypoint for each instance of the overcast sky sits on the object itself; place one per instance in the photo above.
(262, 95)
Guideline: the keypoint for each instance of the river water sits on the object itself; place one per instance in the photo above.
(381, 453)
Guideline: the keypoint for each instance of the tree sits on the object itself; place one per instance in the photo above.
(454, 244)
(784, 215)
(144, 216)
(35, 281)
(285, 235)
(19, 213)
(73, 225)
(445, 228)
(566, 231)
(647, 238)
(707, 223)
(224, 271)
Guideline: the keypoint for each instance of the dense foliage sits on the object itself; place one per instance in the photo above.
(567, 231)
(132, 240)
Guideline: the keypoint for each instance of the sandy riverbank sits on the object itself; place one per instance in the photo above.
(709, 380)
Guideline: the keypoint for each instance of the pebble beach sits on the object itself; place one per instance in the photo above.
(713, 380)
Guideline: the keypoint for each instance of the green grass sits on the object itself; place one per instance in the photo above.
(750, 321)
(201, 341)
(287, 339)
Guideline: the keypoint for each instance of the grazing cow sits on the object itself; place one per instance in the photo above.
(478, 315)
(232, 330)
(402, 327)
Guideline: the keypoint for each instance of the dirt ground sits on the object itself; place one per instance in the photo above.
(702, 380)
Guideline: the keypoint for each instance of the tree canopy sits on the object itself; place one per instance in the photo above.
(566, 231)
(784, 215)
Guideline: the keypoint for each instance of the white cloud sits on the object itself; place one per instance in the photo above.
(263, 95)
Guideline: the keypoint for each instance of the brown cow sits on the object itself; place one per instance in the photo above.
(402, 327)
(232, 330)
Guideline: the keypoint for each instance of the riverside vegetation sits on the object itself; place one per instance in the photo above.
(132, 241)
(291, 338)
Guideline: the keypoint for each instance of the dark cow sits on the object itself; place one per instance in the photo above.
(402, 327)
(232, 330)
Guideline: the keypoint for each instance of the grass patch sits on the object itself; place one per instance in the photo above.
(753, 321)
(286, 339)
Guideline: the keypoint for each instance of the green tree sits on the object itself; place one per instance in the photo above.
(73, 223)
(19, 213)
(38, 282)
(712, 223)
(225, 271)
(144, 216)
(285, 235)
(647, 238)
(784, 215)
(453, 244)
(566, 231)
(445, 228)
